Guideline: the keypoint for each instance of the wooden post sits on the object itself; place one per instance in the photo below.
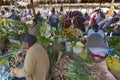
(50, 4)
(33, 8)
(11, 1)
(100, 2)
(0, 3)
(93, 5)
(62, 1)
(69, 4)
(46, 3)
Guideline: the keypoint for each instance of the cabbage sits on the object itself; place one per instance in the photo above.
(77, 50)
(79, 44)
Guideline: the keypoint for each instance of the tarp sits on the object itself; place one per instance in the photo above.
(23, 3)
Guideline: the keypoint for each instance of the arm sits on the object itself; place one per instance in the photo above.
(27, 70)
(96, 19)
(106, 25)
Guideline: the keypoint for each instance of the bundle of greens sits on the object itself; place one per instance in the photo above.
(114, 42)
(9, 29)
(72, 69)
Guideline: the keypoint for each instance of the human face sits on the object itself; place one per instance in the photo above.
(26, 45)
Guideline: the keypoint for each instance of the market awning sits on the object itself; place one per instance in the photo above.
(23, 3)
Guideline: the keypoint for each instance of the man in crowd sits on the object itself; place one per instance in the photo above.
(95, 17)
(36, 64)
(54, 19)
(107, 22)
(79, 21)
(14, 16)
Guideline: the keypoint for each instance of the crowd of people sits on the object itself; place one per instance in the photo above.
(36, 65)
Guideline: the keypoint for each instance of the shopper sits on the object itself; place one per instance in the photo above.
(54, 19)
(36, 64)
(95, 17)
(98, 51)
(34, 28)
(107, 22)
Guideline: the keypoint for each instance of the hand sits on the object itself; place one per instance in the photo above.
(12, 74)
(19, 54)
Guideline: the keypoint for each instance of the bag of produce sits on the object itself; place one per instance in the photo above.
(113, 63)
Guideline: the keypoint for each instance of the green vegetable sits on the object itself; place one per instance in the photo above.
(77, 70)
(113, 41)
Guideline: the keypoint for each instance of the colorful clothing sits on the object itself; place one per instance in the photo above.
(54, 20)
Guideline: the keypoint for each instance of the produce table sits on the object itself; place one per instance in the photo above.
(71, 67)
(5, 62)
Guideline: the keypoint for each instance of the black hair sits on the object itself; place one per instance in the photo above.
(61, 8)
(29, 38)
(6, 9)
(35, 20)
(38, 13)
(12, 10)
(95, 27)
(53, 9)
(115, 19)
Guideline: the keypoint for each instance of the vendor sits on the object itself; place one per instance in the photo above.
(36, 64)
(116, 31)
(97, 56)
(14, 16)
(54, 19)
(107, 22)
(79, 21)
(34, 28)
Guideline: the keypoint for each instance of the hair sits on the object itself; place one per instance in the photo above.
(29, 38)
(35, 20)
(12, 10)
(115, 19)
(53, 10)
(95, 27)
(61, 8)
(86, 13)
(6, 9)
(39, 13)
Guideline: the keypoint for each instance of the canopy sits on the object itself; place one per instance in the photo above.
(23, 3)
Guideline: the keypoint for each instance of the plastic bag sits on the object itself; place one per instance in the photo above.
(113, 63)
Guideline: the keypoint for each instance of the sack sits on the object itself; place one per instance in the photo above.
(113, 63)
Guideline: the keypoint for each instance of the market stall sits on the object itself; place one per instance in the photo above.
(69, 57)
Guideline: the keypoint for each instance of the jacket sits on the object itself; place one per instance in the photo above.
(36, 65)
